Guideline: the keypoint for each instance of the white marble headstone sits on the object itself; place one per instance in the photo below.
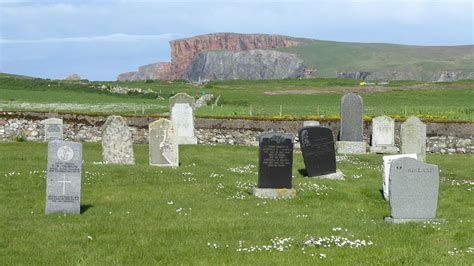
(387, 162)
(311, 123)
(53, 129)
(383, 131)
(163, 144)
(183, 119)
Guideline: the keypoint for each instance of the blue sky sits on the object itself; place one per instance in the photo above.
(100, 39)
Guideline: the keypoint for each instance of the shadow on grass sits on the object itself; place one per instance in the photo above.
(303, 172)
(84, 208)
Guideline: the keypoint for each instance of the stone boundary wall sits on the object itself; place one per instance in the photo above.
(441, 137)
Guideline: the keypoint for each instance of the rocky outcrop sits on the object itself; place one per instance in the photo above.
(252, 64)
(184, 50)
(73, 77)
(150, 71)
(449, 76)
(353, 75)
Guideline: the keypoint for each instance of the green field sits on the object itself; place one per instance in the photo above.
(239, 98)
(331, 58)
(203, 213)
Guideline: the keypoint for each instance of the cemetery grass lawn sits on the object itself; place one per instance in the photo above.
(148, 215)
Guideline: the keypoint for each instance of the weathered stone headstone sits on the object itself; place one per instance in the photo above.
(311, 123)
(181, 98)
(117, 146)
(163, 143)
(352, 112)
(414, 189)
(351, 140)
(387, 162)
(413, 137)
(317, 147)
(183, 119)
(383, 135)
(53, 129)
(275, 166)
(63, 184)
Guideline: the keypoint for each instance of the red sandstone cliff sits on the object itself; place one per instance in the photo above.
(184, 50)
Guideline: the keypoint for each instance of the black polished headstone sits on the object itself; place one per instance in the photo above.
(275, 161)
(317, 146)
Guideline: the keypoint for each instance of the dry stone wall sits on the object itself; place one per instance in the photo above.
(441, 137)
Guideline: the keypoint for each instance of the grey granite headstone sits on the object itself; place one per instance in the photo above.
(383, 135)
(163, 144)
(414, 189)
(387, 162)
(413, 137)
(183, 119)
(117, 145)
(63, 184)
(53, 129)
(352, 111)
(181, 98)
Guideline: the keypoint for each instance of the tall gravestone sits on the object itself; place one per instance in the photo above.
(317, 147)
(414, 187)
(383, 135)
(275, 166)
(163, 145)
(181, 98)
(117, 145)
(351, 139)
(413, 137)
(387, 162)
(63, 184)
(53, 129)
(183, 119)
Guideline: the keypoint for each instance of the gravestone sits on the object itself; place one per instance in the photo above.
(383, 135)
(387, 162)
(351, 139)
(311, 123)
(317, 147)
(53, 129)
(414, 187)
(117, 146)
(413, 137)
(63, 184)
(275, 166)
(163, 145)
(181, 98)
(183, 119)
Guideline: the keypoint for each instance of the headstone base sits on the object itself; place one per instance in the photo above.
(338, 175)
(391, 220)
(274, 193)
(187, 140)
(351, 147)
(384, 149)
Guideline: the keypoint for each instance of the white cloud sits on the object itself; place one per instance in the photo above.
(117, 37)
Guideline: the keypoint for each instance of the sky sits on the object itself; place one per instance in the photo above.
(100, 39)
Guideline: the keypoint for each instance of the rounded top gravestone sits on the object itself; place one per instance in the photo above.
(352, 111)
(181, 98)
(117, 146)
(413, 137)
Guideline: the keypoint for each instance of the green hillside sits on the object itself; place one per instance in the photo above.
(330, 58)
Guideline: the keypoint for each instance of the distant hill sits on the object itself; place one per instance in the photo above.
(328, 59)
